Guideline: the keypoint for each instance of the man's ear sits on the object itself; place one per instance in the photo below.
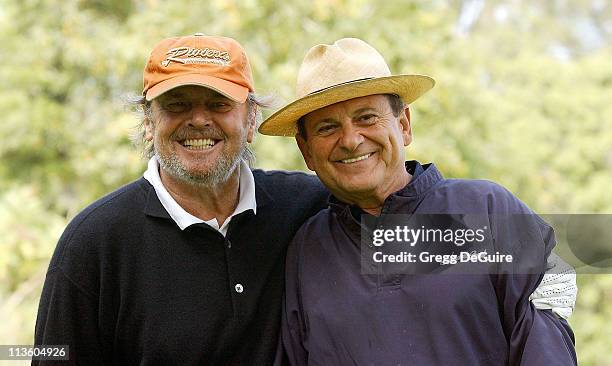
(406, 128)
(252, 123)
(305, 150)
(148, 125)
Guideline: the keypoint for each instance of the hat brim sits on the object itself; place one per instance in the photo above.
(408, 87)
(231, 90)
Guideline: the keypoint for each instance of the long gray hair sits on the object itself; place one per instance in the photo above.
(143, 110)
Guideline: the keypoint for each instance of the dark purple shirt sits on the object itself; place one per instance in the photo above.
(334, 315)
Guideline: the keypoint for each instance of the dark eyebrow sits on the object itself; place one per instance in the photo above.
(325, 120)
(365, 109)
(215, 94)
(173, 94)
(179, 94)
(221, 96)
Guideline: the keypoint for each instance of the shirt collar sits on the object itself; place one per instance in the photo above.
(184, 219)
(424, 178)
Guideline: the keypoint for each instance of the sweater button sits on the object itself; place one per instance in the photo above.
(239, 288)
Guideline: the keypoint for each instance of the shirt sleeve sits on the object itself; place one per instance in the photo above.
(535, 337)
(293, 329)
(558, 290)
(68, 316)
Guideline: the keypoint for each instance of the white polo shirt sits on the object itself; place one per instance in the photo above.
(183, 219)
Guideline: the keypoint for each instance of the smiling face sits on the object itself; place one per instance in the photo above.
(198, 134)
(356, 147)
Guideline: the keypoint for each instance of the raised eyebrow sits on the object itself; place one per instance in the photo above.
(175, 94)
(180, 94)
(363, 110)
(216, 95)
(221, 98)
(325, 120)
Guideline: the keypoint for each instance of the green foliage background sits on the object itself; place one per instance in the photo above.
(523, 97)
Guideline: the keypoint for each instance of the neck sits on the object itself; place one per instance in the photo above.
(205, 202)
(372, 202)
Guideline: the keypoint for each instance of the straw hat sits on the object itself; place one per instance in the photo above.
(350, 68)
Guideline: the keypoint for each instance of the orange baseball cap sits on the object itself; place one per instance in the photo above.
(218, 63)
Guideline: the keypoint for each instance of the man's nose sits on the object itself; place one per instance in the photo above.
(351, 137)
(200, 115)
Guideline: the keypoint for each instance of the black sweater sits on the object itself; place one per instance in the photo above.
(127, 286)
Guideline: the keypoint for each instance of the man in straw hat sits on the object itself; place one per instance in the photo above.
(349, 304)
(186, 264)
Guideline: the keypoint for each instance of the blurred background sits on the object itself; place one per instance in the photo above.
(523, 97)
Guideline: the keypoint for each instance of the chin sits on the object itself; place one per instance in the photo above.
(355, 188)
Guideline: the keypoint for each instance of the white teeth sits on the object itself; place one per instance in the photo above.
(359, 158)
(198, 144)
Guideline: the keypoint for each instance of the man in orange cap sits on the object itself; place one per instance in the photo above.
(185, 265)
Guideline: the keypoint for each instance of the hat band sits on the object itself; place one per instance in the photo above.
(335, 85)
